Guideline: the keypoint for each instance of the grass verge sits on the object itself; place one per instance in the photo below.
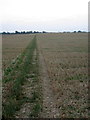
(36, 99)
(17, 76)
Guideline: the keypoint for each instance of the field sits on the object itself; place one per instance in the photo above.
(13, 45)
(45, 75)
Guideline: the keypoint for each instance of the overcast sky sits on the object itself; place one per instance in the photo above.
(43, 15)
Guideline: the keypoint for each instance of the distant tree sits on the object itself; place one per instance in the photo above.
(35, 32)
(16, 32)
(43, 32)
(30, 32)
(4, 33)
(79, 31)
(23, 32)
(74, 31)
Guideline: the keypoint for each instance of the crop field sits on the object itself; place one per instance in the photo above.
(12, 46)
(66, 59)
(45, 75)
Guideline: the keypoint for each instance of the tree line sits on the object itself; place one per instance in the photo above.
(32, 32)
(23, 32)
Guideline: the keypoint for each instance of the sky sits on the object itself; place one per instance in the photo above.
(43, 15)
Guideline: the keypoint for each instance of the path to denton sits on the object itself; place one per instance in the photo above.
(49, 107)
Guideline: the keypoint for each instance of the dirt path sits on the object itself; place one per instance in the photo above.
(49, 107)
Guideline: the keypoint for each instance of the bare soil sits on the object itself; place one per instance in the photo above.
(50, 109)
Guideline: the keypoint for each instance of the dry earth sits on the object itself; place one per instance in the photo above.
(50, 109)
(63, 76)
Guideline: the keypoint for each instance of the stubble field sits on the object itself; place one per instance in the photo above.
(66, 58)
(12, 46)
(56, 82)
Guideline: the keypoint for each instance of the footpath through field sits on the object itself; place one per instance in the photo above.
(50, 109)
(41, 89)
(31, 90)
(27, 90)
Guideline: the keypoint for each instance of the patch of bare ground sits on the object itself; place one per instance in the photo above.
(50, 109)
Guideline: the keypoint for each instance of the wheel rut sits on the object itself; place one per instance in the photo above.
(50, 109)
